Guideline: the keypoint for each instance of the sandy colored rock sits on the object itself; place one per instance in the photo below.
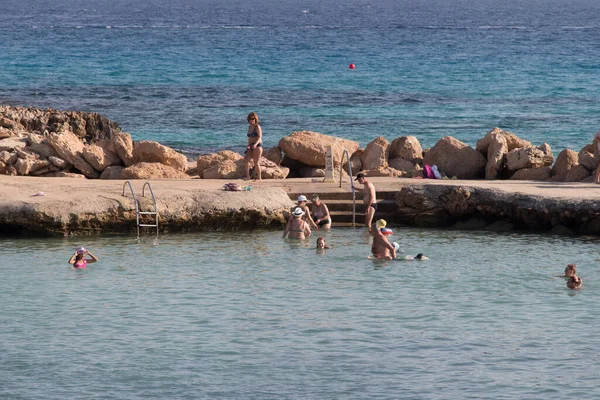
(527, 157)
(512, 140)
(63, 174)
(225, 170)
(59, 162)
(210, 161)
(12, 143)
(122, 145)
(270, 170)
(154, 170)
(586, 158)
(5, 133)
(112, 172)
(376, 154)
(496, 155)
(149, 151)
(566, 160)
(273, 154)
(100, 157)
(577, 173)
(310, 147)
(5, 156)
(532, 174)
(384, 171)
(39, 145)
(455, 158)
(407, 148)
(69, 147)
(410, 169)
(26, 166)
(355, 162)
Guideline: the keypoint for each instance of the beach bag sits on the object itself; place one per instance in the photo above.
(428, 172)
(436, 173)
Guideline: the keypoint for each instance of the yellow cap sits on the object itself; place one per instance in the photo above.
(381, 223)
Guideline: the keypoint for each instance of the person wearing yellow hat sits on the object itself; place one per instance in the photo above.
(381, 248)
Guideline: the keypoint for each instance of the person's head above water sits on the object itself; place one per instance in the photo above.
(321, 243)
(574, 282)
(381, 223)
(298, 212)
(420, 256)
(80, 250)
(571, 270)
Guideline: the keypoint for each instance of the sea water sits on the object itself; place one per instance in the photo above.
(186, 73)
(255, 316)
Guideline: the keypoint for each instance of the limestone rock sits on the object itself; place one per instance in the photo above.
(69, 147)
(192, 168)
(122, 144)
(112, 172)
(496, 155)
(153, 152)
(512, 140)
(59, 162)
(547, 150)
(410, 169)
(384, 171)
(566, 160)
(532, 174)
(63, 174)
(455, 158)
(407, 148)
(586, 158)
(270, 170)
(26, 166)
(310, 147)
(225, 170)
(100, 157)
(155, 170)
(12, 143)
(5, 156)
(577, 173)
(355, 162)
(527, 157)
(39, 145)
(207, 161)
(273, 154)
(376, 154)
(5, 133)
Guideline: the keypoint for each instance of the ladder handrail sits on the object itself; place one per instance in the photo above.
(136, 202)
(154, 200)
(345, 153)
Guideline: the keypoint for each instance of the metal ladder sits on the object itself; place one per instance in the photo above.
(137, 207)
(345, 153)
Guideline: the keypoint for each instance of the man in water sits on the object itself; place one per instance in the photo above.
(382, 249)
(369, 198)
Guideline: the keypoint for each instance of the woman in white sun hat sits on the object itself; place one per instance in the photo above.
(296, 226)
(302, 203)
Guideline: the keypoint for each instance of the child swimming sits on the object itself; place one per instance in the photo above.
(321, 243)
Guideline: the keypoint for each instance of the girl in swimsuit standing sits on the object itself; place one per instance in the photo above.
(254, 149)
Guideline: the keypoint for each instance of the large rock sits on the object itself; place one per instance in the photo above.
(410, 169)
(153, 170)
(496, 155)
(566, 160)
(207, 161)
(512, 140)
(12, 143)
(586, 158)
(69, 148)
(153, 152)
(407, 148)
(26, 166)
(100, 157)
(270, 170)
(355, 162)
(310, 147)
(273, 154)
(122, 144)
(532, 174)
(455, 158)
(40, 145)
(384, 171)
(63, 174)
(577, 173)
(225, 170)
(112, 172)
(527, 157)
(376, 154)
(59, 162)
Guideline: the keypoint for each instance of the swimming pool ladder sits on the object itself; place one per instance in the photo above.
(137, 207)
(345, 153)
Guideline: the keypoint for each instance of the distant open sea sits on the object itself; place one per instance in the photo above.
(187, 72)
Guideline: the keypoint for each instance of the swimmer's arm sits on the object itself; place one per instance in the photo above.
(93, 260)
(307, 231)
(287, 228)
(307, 210)
(326, 216)
(391, 248)
(72, 259)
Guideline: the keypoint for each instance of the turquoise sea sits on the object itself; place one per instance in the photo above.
(239, 316)
(187, 72)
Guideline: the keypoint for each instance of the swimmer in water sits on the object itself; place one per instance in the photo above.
(421, 257)
(321, 243)
(575, 282)
(78, 259)
(570, 271)
(382, 249)
(296, 227)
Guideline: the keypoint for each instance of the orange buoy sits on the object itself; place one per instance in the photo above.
(351, 66)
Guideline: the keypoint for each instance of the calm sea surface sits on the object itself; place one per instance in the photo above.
(187, 72)
(253, 316)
